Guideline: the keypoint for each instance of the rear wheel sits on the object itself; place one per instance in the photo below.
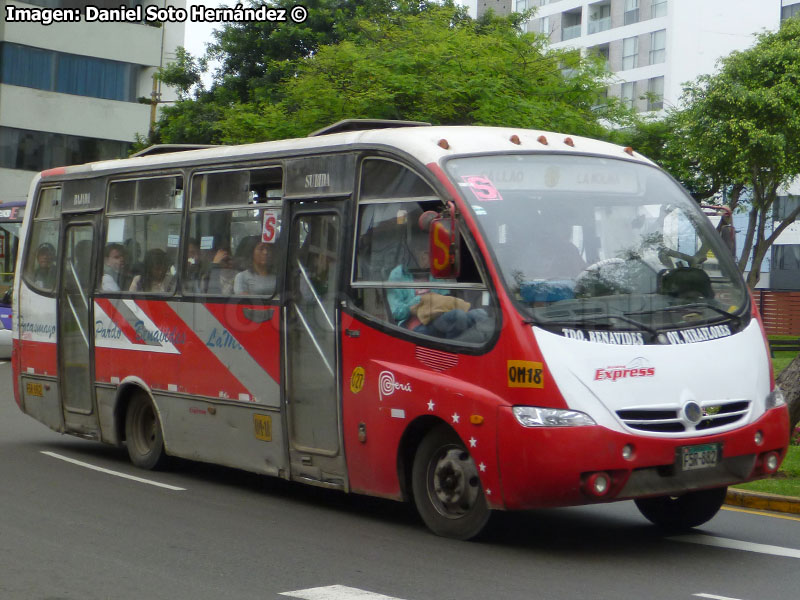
(446, 486)
(683, 512)
(143, 435)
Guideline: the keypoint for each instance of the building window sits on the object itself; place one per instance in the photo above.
(628, 93)
(630, 53)
(655, 93)
(787, 12)
(659, 8)
(599, 17)
(67, 73)
(570, 25)
(603, 51)
(631, 11)
(787, 257)
(38, 150)
(658, 45)
(784, 205)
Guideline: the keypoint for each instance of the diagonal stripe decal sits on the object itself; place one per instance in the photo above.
(232, 352)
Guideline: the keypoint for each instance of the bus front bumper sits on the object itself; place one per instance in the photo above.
(560, 466)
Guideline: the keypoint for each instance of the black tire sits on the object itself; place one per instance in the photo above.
(144, 439)
(682, 512)
(446, 486)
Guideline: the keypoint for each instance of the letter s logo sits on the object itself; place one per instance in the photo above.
(441, 258)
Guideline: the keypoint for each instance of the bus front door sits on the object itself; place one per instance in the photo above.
(312, 346)
(75, 332)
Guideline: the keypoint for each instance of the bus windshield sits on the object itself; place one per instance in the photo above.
(599, 243)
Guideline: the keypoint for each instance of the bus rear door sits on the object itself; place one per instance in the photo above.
(75, 331)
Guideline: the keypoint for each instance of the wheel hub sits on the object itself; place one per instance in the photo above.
(455, 483)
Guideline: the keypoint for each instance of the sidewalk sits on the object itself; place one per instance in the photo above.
(762, 501)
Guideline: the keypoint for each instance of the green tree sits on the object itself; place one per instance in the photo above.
(740, 130)
(428, 62)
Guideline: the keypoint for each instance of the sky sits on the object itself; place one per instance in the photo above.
(199, 34)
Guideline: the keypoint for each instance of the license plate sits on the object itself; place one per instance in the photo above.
(34, 389)
(699, 457)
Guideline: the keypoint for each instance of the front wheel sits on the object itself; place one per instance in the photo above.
(143, 436)
(446, 486)
(683, 512)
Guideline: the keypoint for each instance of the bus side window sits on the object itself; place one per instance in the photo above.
(41, 260)
(234, 227)
(143, 232)
(392, 278)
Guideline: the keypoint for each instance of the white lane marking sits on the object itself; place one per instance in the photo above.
(713, 597)
(336, 592)
(719, 542)
(116, 473)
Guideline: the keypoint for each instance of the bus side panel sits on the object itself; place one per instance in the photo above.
(37, 332)
(233, 435)
(211, 370)
(389, 383)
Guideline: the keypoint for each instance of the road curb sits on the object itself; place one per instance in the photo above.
(762, 501)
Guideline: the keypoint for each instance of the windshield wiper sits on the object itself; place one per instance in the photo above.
(652, 331)
(692, 306)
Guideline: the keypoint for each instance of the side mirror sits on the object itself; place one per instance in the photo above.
(444, 243)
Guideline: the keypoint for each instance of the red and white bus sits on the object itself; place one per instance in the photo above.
(472, 318)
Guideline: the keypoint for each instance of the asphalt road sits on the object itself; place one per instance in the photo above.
(71, 531)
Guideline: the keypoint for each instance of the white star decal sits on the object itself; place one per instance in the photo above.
(473, 442)
(455, 417)
(488, 492)
(431, 405)
(482, 467)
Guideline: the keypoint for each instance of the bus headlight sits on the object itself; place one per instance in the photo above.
(533, 416)
(775, 398)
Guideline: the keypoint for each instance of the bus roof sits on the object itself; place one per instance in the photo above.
(429, 144)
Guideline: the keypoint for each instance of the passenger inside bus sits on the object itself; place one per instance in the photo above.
(553, 254)
(433, 312)
(255, 278)
(113, 267)
(219, 279)
(156, 276)
(45, 274)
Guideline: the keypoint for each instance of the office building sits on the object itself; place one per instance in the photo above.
(70, 91)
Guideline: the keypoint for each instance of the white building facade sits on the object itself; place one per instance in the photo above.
(652, 46)
(70, 91)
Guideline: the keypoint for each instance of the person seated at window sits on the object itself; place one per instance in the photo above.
(220, 275)
(155, 277)
(44, 276)
(113, 267)
(431, 312)
(256, 278)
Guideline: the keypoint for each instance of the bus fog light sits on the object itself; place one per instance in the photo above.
(775, 398)
(627, 452)
(771, 462)
(533, 416)
(598, 484)
(759, 438)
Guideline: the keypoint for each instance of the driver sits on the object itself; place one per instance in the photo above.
(556, 256)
